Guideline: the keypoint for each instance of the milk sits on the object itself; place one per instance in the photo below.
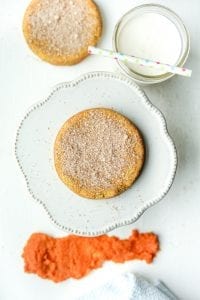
(152, 36)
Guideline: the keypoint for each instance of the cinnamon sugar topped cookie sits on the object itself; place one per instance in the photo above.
(60, 31)
(98, 153)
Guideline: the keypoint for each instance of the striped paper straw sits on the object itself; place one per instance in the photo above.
(140, 61)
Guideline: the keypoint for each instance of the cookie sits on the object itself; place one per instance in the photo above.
(60, 31)
(98, 153)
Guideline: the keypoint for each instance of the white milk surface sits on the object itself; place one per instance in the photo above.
(150, 36)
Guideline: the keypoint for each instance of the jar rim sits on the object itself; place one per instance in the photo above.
(177, 21)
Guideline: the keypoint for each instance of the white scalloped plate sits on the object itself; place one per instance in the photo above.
(34, 153)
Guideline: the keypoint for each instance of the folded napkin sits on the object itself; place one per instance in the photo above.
(128, 286)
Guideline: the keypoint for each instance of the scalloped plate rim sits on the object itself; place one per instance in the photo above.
(72, 83)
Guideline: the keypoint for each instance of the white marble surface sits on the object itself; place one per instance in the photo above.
(25, 79)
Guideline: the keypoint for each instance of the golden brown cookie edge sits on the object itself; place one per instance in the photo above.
(61, 60)
(131, 176)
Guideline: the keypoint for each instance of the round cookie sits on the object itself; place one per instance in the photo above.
(98, 153)
(60, 31)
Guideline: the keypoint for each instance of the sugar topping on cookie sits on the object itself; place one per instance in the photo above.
(98, 153)
(97, 150)
(62, 27)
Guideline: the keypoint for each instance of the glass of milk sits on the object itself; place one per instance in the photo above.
(152, 32)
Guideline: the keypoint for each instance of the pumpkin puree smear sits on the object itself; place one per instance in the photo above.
(74, 257)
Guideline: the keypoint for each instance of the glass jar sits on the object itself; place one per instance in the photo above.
(178, 25)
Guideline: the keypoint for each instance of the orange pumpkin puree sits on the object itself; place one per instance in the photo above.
(74, 256)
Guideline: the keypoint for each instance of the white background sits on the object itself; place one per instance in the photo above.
(24, 79)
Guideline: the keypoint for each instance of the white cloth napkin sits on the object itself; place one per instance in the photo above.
(128, 286)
